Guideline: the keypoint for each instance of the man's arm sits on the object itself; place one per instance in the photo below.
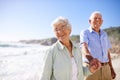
(111, 67)
(86, 51)
(94, 64)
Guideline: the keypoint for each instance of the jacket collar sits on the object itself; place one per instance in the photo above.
(61, 46)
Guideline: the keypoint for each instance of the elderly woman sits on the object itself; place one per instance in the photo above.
(63, 60)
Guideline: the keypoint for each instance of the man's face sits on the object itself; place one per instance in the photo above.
(96, 21)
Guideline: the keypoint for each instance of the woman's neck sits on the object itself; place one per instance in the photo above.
(68, 45)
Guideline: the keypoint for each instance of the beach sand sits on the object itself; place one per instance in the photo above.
(116, 65)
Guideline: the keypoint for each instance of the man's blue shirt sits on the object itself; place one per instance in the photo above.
(98, 43)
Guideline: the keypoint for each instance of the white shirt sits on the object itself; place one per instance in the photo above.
(74, 69)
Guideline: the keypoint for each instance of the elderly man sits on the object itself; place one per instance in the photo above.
(95, 44)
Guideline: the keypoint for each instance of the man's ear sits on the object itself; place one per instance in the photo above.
(89, 21)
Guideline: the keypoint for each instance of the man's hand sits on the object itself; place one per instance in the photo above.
(94, 65)
(113, 73)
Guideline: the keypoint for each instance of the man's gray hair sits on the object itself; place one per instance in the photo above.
(95, 12)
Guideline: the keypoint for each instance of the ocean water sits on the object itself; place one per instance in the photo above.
(21, 61)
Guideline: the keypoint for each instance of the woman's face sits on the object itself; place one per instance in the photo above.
(62, 32)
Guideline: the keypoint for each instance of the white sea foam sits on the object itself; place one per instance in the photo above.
(20, 61)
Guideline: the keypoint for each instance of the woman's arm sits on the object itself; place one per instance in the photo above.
(47, 66)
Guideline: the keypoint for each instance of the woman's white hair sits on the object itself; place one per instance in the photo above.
(95, 12)
(61, 20)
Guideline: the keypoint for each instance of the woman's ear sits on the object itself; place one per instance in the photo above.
(70, 31)
(102, 21)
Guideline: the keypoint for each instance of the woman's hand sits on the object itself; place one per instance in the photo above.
(94, 65)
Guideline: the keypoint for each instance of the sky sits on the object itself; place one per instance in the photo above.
(31, 19)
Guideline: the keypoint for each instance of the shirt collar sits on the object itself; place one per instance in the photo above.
(91, 30)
